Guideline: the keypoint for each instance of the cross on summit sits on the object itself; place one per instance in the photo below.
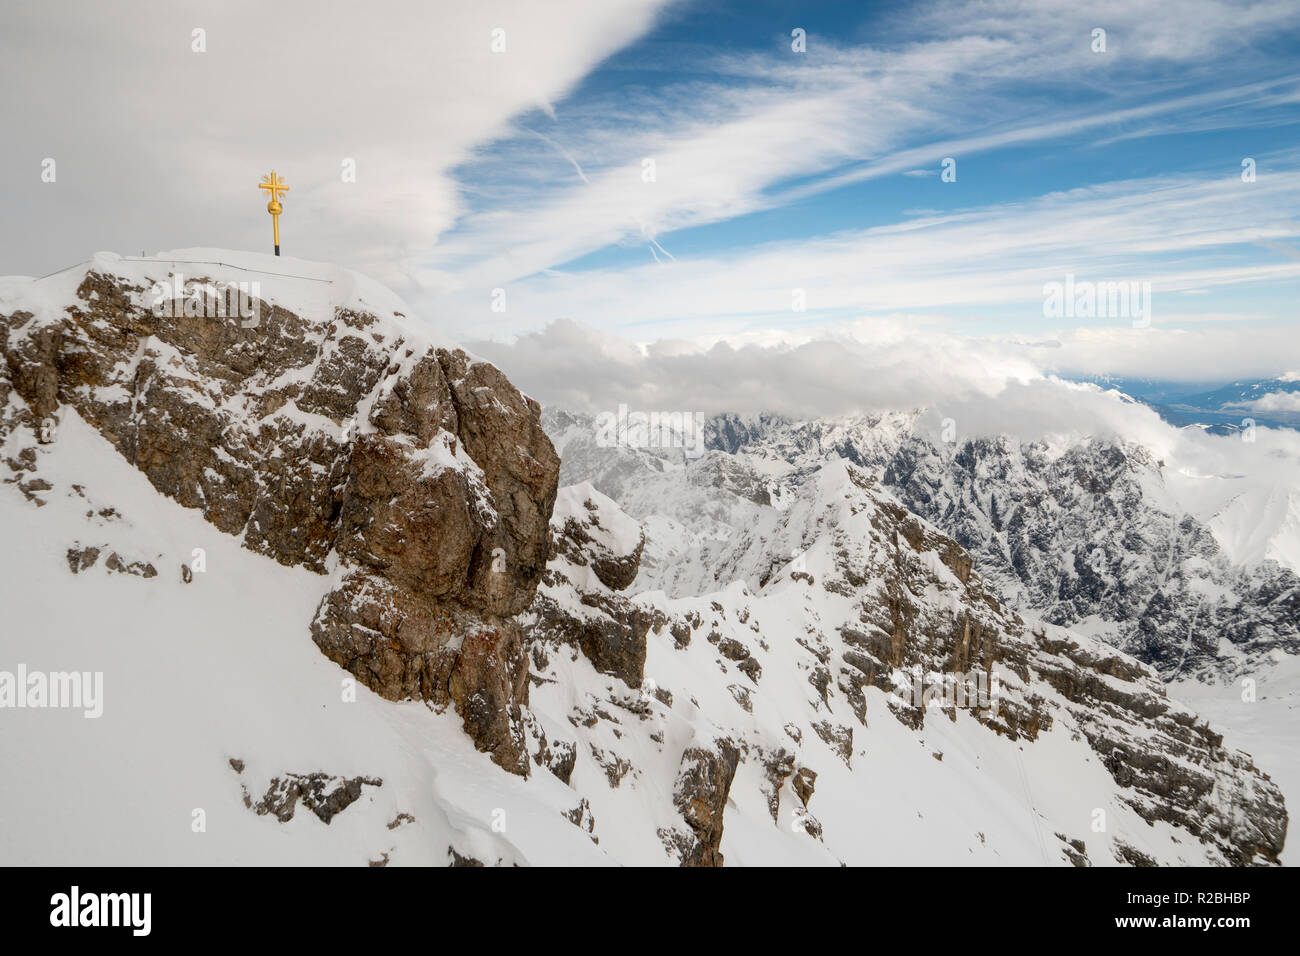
(274, 185)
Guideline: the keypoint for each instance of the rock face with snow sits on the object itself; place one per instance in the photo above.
(876, 617)
(595, 553)
(333, 437)
(1087, 536)
(749, 659)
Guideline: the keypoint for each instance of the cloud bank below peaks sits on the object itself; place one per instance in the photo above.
(1025, 388)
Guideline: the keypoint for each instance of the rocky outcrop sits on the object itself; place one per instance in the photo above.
(1169, 764)
(600, 536)
(325, 795)
(327, 432)
(595, 553)
(700, 793)
(1081, 537)
(1088, 534)
(441, 539)
(843, 596)
(815, 621)
(1172, 765)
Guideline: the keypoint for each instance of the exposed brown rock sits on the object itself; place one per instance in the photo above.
(804, 782)
(580, 816)
(777, 767)
(437, 503)
(838, 737)
(458, 860)
(81, 558)
(611, 630)
(324, 795)
(142, 569)
(700, 793)
(557, 756)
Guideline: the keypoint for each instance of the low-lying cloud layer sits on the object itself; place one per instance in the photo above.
(964, 389)
(997, 384)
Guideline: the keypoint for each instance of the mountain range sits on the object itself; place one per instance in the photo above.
(354, 598)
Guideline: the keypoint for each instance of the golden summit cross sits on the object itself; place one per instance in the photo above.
(274, 185)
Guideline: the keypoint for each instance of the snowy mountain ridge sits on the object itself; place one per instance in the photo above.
(1095, 534)
(802, 691)
(720, 663)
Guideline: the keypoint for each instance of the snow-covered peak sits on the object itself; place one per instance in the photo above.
(312, 290)
(605, 522)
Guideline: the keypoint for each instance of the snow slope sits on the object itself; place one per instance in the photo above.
(222, 668)
(198, 674)
(305, 287)
(893, 784)
(1262, 717)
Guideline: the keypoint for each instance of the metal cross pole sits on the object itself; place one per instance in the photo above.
(274, 185)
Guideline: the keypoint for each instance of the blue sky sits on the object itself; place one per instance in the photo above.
(501, 192)
(775, 169)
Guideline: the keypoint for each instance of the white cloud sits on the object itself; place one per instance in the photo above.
(158, 146)
(985, 386)
(802, 125)
(1177, 233)
(1189, 355)
(1286, 402)
(162, 147)
(869, 366)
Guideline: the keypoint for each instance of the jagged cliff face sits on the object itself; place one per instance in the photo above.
(770, 693)
(1087, 536)
(338, 439)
